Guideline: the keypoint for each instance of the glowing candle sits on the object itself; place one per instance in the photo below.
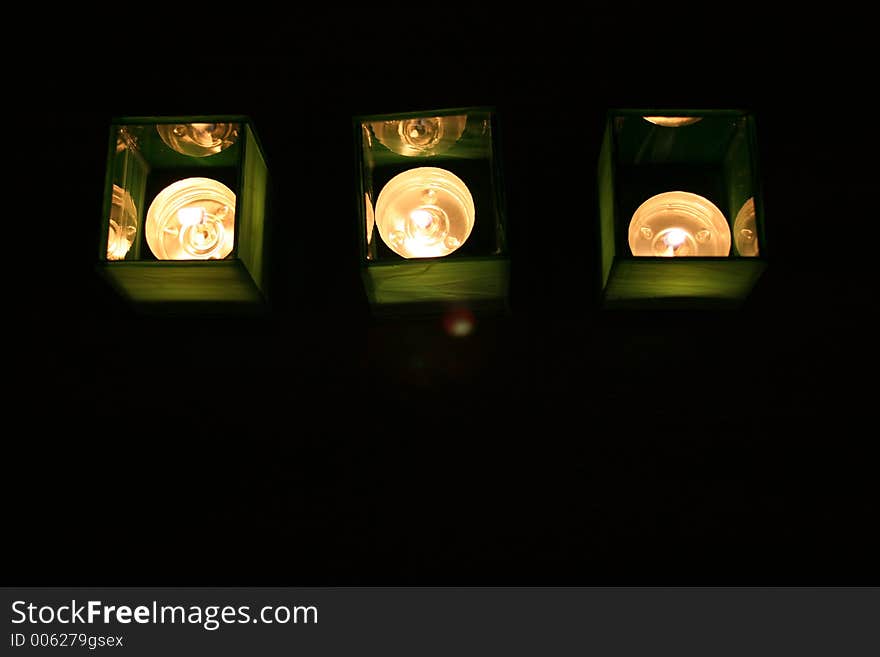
(676, 224)
(425, 212)
(192, 219)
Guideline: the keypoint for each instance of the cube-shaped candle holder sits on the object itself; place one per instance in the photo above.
(680, 209)
(431, 211)
(184, 213)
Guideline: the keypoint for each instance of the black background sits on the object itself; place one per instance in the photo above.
(559, 444)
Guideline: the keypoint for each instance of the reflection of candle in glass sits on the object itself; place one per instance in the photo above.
(745, 236)
(420, 136)
(192, 219)
(425, 212)
(676, 224)
(198, 139)
(672, 121)
(123, 224)
(371, 218)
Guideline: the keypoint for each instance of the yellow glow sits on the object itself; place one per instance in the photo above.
(745, 235)
(461, 327)
(672, 121)
(125, 140)
(371, 218)
(192, 219)
(677, 224)
(420, 136)
(123, 224)
(459, 323)
(199, 139)
(425, 212)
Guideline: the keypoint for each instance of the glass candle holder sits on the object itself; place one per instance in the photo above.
(192, 219)
(678, 224)
(427, 212)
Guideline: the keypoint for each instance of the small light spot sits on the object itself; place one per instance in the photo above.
(459, 323)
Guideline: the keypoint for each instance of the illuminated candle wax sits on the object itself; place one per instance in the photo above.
(745, 236)
(675, 224)
(425, 212)
(421, 136)
(198, 139)
(672, 121)
(123, 224)
(192, 219)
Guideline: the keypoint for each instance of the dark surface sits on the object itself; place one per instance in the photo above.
(559, 444)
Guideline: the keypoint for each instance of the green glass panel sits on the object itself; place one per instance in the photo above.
(681, 282)
(606, 207)
(437, 280)
(124, 194)
(176, 281)
(253, 209)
